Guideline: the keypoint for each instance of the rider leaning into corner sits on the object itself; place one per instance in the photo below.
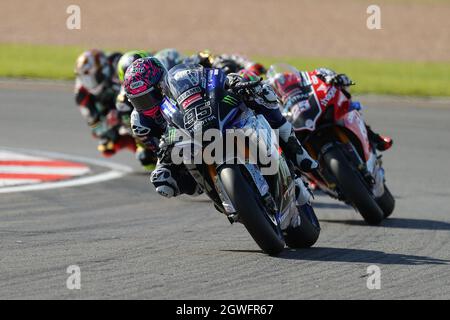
(144, 122)
(144, 86)
(146, 154)
(148, 127)
(96, 88)
(140, 123)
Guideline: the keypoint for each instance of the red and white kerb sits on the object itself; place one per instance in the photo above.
(21, 169)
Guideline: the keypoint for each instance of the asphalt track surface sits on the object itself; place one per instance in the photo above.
(132, 244)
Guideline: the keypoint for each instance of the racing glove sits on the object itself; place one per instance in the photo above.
(331, 77)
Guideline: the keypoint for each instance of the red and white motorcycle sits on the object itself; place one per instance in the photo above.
(334, 133)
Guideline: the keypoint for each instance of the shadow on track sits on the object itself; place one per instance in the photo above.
(337, 205)
(325, 254)
(359, 256)
(400, 223)
(243, 251)
(140, 173)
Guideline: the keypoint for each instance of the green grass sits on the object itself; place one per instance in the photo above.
(37, 61)
(383, 77)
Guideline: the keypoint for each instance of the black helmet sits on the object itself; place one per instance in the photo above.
(227, 65)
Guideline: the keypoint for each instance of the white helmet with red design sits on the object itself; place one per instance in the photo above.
(92, 70)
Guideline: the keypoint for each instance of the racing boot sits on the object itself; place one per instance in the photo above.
(294, 150)
(382, 143)
(107, 148)
(170, 182)
(163, 181)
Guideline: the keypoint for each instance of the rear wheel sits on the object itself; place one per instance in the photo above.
(251, 211)
(351, 184)
(386, 202)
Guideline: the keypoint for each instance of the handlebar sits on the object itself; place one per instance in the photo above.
(247, 85)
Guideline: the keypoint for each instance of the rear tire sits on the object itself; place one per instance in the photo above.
(351, 184)
(386, 202)
(306, 234)
(251, 210)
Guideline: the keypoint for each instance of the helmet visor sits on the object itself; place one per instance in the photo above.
(148, 100)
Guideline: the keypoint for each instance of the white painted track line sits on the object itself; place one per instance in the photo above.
(44, 170)
(116, 170)
(16, 182)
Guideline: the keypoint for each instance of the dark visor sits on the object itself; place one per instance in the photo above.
(147, 101)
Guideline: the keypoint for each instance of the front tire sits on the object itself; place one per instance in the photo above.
(307, 233)
(352, 186)
(386, 202)
(251, 210)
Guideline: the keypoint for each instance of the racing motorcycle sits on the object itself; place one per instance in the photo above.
(332, 130)
(265, 202)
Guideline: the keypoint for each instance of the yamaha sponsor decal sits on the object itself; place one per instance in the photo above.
(188, 93)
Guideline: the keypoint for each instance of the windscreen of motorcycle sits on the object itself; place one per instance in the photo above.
(299, 102)
(189, 85)
(290, 85)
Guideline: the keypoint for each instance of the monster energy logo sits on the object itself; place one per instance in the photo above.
(230, 100)
(172, 136)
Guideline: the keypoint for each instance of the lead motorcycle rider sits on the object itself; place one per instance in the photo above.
(146, 152)
(144, 87)
(146, 128)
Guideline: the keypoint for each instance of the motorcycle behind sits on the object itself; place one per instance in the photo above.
(330, 127)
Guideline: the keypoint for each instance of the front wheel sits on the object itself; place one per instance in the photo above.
(351, 184)
(386, 202)
(250, 210)
(305, 235)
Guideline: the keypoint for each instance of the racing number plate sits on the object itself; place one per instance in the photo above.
(305, 114)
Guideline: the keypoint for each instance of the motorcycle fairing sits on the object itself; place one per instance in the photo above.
(354, 122)
(201, 98)
(304, 114)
